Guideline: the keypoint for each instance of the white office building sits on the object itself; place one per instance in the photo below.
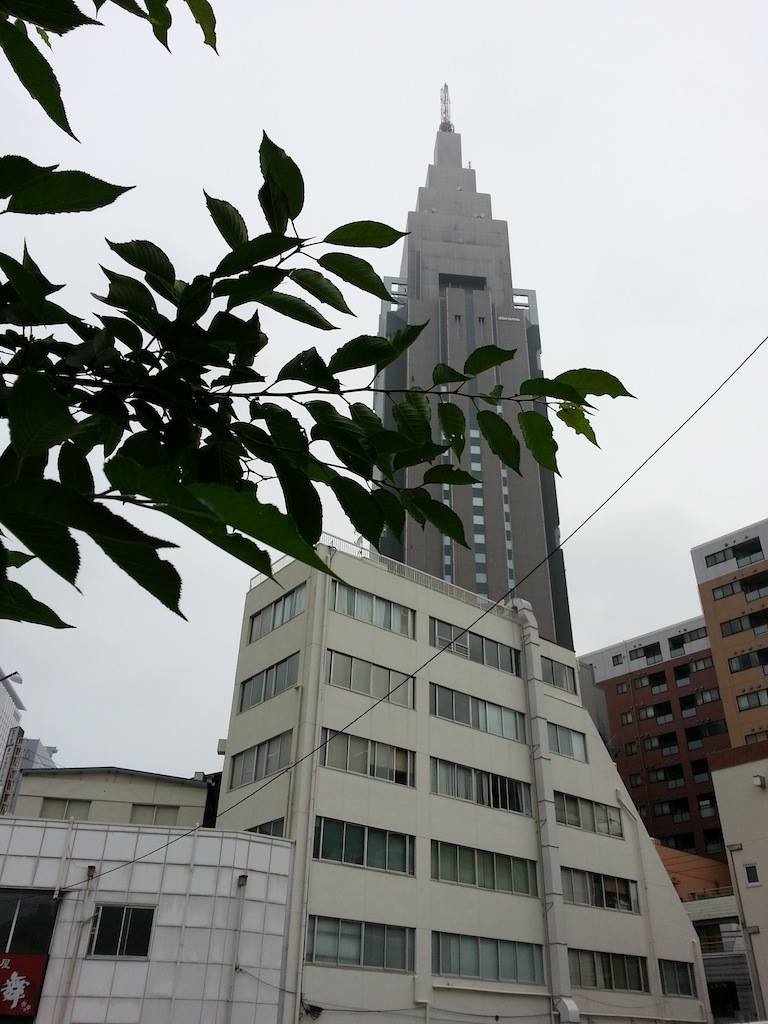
(465, 848)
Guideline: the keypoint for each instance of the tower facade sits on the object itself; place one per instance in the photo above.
(456, 275)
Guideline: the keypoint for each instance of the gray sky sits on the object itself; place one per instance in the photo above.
(625, 144)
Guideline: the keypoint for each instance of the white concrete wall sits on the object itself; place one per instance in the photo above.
(204, 924)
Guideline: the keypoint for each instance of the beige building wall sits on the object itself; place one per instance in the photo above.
(111, 795)
(660, 930)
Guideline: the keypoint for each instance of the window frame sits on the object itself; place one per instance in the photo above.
(122, 938)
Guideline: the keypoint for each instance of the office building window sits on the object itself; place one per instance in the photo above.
(756, 737)
(751, 876)
(622, 687)
(700, 770)
(587, 814)
(482, 868)
(473, 646)
(617, 971)
(707, 805)
(678, 810)
(270, 682)
(676, 643)
(731, 626)
(27, 918)
(57, 807)
(495, 791)
(262, 760)
(468, 956)
(635, 779)
(627, 718)
(365, 846)
(365, 607)
(617, 659)
(727, 590)
(283, 610)
(755, 699)
(594, 890)
(701, 663)
(567, 742)
(756, 587)
(121, 930)
(276, 827)
(477, 714)
(630, 748)
(368, 757)
(154, 814)
(557, 674)
(657, 681)
(371, 680)
(677, 978)
(342, 943)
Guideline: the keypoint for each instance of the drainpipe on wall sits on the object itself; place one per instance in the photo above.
(78, 937)
(754, 975)
(543, 790)
(242, 881)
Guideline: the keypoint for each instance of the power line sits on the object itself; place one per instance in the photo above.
(487, 611)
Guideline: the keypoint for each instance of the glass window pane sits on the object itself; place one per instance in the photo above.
(336, 751)
(354, 838)
(400, 685)
(33, 930)
(619, 970)
(397, 852)
(464, 783)
(587, 969)
(108, 928)
(493, 712)
(485, 874)
(373, 945)
(379, 681)
(565, 742)
(489, 959)
(364, 606)
(361, 676)
(461, 707)
(326, 940)
(526, 964)
(634, 981)
(448, 862)
(505, 658)
(507, 961)
(585, 810)
(395, 956)
(358, 755)
(341, 670)
(520, 875)
(349, 942)
(444, 702)
(445, 778)
(137, 929)
(601, 818)
(383, 613)
(579, 746)
(580, 887)
(469, 960)
(467, 872)
(377, 848)
(333, 839)
(384, 762)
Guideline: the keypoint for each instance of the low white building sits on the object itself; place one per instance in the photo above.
(141, 925)
(465, 847)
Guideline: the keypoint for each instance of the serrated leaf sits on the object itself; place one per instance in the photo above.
(39, 417)
(500, 438)
(400, 343)
(594, 382)
(369, 234)
(444, 374)
(545, 388)
(25, 282)
(252, 251)
(302, 502)
(309, 368)
(453, 425)
(365, 350)
(74, 470)
(51, 542)
(65, 192)
(16, 559)
(203, 14)
(281, 174)
(427, 452)
(18, 605)
(29, 264)
(250, 287)
(228, 220)
(195, 299)
(392, 510)
(537, 434)
(486, 357)
(356, 272)
(575, 418)
(34, 72)
(16, 172)
(360, 507)
(321, 288)
(57, 16)
(411, 420)
(160, 18)
(145, 256)
(128, 294)
(448, 475)
(296, 309)
(440, 515)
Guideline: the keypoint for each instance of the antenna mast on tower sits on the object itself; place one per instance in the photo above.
(446, 124)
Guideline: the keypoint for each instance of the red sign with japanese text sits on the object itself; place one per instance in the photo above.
(21, 980)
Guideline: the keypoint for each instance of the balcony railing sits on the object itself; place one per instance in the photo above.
(709, 894)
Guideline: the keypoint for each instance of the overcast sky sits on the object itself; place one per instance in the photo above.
(626, 146)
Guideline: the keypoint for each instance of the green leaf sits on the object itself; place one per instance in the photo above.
(16, 559)
(16, 172)
(296, 309)
(195, 299)
(302, 502)
(448, 475)
(281, 175)
(44, 36)
(321, 288)
(203, 14)
(402, 340)
(250, 287)
(440, 515)
(453, 425)
(356, 272)
(501, 440)
(370, 234)
(51, 542)
(444, 374)
(265, 523)
(145, 256)
(541, 386)
(575, 418)
(65, 192)
(39, 418)
(594, 382)
(160, 17)
(74, 470)
(252, 251)
(57, 16)
(228, 220)
(34, 72)
(128, 294)
(537, 434)
(486, 357)
(309, 368)
(127, 5)
(392, 510)
(29, 264)
(214, 531)
(425, 452)
(25, 282)
(411, 417)
(366, 350)
(360, 507)
(18, 605)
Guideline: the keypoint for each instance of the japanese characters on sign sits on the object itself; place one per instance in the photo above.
(21, 979)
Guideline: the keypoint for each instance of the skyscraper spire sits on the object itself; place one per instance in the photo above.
(446, 124)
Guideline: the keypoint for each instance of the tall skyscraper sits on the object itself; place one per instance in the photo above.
(456, 275)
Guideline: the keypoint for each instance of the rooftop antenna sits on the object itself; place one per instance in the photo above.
(446, 124)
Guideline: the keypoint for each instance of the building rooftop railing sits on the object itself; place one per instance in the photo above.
(391, 565)
(708, 894)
